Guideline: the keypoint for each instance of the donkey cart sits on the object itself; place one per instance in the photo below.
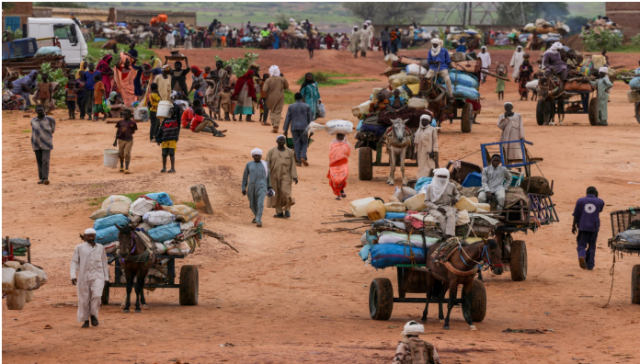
(625, 226)
(548, 107)
(161, 275)
(414, 280)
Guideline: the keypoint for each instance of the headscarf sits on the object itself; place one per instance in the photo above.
(197, 71)
(413, 328)
(83, 67)
(112, 96)
(90, 231)
(423, 117)
(30, 80)
(555, 47)
(256, 151)
(166, 67)
(274, 71)
(519, 49)
(435, 51)
(281, 136)
(368, 22)
(438, 185)
(247, 79)
(355, 28)
(103, 64)
(306, 83)
(604, 70)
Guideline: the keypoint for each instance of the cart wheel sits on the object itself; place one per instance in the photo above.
(189, 285)
(466, 119)
(543, 114)
(638, 111)
(381, 299)
(105, 295)
(593, 112)
(518, 260)
(635, 285)
(365, 164)
(478, 301)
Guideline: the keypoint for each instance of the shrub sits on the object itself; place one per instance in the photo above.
(604, 40)
(240, 66)
(636, 40)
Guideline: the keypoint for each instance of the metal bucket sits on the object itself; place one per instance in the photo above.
(111, 158)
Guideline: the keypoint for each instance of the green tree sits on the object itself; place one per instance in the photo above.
(511, 13)
(388, 12)
(605, 40)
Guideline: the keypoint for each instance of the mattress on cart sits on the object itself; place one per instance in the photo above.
(388, 255)
(629, 239)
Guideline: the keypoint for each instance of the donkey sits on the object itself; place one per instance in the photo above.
(136, 260)
(458, 269)
(398, 139)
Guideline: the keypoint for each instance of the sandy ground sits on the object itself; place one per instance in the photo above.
(293, 295)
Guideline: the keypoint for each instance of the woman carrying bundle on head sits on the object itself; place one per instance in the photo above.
(339, 152)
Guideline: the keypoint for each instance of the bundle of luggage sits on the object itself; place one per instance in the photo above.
(626, 224)
(19, 280)
(171, 229)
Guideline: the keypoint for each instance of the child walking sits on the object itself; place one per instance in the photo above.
(154, 99)
(225, 103)
(44, 93)
(124, 139)
(71, 97)
(167, 139)
(502, 71)
(98, 95)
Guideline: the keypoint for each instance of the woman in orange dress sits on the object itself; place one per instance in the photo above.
(339, 152)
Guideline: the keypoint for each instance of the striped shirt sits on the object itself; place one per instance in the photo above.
(42, 133)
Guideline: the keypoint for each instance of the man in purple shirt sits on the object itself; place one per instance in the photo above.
(586, 221)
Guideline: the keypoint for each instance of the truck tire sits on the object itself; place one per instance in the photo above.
(466, 119)
(478, 301)
(593, 112)
(365, 164)
(380, 299)
(635, 285)
(189, 285)
(518, 260)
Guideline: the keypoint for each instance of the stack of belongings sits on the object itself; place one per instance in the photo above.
(19, 280)
(604, 23)
(402, 229)
(170, 229)
(467, 34)
(627, 239)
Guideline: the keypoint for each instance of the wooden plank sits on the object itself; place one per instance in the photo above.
(201, 199)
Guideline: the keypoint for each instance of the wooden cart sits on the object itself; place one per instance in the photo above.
(621, 221)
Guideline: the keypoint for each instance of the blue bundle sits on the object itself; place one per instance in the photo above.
(110, 221)
(395, 215)
(388, 255)
(107, 235)
(161, 197)
(165, 232)
(462, 92)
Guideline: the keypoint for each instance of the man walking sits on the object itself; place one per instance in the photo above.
(282, 171)
(385, 38)
(42, 129)
(274, 88)
(586, 221)
(88, 77)
(256, 185)
(90, 262)
(299, 117)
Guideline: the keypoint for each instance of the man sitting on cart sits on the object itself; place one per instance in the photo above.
(439, 62)
(440, 197)
(494, 178)
(553, 61)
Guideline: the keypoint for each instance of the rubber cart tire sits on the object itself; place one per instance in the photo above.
(365, 164)
(518, 260)
(380, 299)
(593, 112)
(478, 301)
(466, 119)
(638, 111)
(105, 295)
(543, 113)
(635, 285)
(189, 283)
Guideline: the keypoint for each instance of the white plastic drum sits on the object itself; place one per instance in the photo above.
(111, 158)
(164, 108)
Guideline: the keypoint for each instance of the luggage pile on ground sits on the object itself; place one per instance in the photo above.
(19, 280)
(172, 229)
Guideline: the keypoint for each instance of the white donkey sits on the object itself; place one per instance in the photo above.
(398, 139)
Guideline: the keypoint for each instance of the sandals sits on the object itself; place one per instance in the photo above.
(279, 216)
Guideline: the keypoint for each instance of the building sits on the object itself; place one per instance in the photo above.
(84, 15)
(144, 16)
(625, 15)
(16, 18)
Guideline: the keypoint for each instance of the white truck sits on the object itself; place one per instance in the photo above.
(72, 43)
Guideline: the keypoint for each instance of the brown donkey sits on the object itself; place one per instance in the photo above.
(136, 260)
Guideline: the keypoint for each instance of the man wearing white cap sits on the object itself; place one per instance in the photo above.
(282, 172)
(90, 262)
(486, 62)
(426, 142)
(256, 185)
(354, 42)
(365, 39)
(274, 88)
(438, 62)
(412, 349)
(603, 85)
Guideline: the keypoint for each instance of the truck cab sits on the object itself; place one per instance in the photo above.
(72, 43)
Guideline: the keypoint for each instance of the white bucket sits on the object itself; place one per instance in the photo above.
(141, 114)
(164, 108)
(111, 158)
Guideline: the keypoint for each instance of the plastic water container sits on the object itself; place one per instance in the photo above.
(474, 179)
(111, 158)
(465, 204)
(633, 96)
(164, 108)
(415, 203)
(359, 207)
(141, 113)
(516, 178)
(376, 210)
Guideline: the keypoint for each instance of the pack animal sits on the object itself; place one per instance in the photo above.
(136, 260)
(398, 139)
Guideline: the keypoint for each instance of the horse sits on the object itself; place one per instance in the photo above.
(136, 260)
(398, 139)
(458, 269)
(435, 95)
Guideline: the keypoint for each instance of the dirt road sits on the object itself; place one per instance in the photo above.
(293, 295)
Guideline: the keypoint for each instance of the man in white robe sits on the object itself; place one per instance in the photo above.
(486, 62)
(440, 198)
(516, 62)
(365, 39)
(90, 262)
(354, 42)
(426, 142)
(512, 130)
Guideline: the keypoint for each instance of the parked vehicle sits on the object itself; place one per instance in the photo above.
(72, 43)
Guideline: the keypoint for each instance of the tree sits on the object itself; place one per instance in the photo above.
(510, 13)
(389, 12)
